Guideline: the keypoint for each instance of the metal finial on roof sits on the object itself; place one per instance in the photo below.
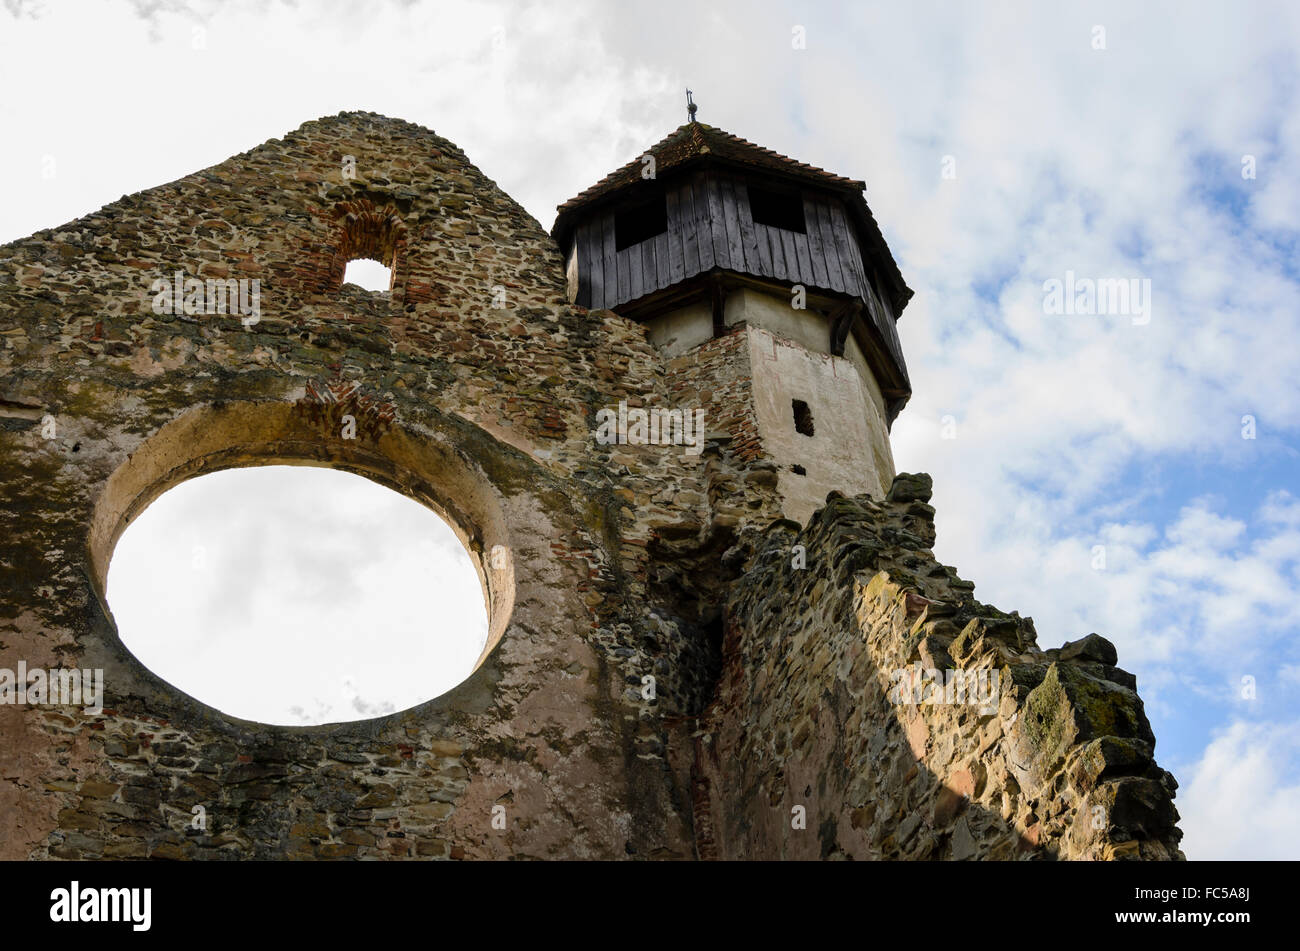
(690, 107)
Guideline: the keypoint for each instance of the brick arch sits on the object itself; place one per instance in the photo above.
(367, 230)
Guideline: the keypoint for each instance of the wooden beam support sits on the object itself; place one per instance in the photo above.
(842, 319)
(718, 296)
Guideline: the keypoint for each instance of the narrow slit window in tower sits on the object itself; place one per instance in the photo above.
(803, 421)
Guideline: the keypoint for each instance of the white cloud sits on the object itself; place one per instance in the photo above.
(1240, 799)
(291, 594)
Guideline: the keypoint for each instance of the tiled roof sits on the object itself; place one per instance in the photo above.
(696, 140)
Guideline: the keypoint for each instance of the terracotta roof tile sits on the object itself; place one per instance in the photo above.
(697, 140)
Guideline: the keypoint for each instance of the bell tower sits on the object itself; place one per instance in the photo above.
(705, 235)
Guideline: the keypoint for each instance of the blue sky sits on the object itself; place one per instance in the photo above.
(1120, 161)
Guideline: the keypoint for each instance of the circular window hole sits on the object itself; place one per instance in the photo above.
(296, 595)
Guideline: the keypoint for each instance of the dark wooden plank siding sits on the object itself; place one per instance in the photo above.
(676, 236)
(710, 224)
(816, 250)
(690, 234)
(622, 279)
(791, 256)
(883, 318)
(589, 261)
(649, 267)
(875, 314)
(717, 226)
(855, 278)
(834, 273)
(773, 244)
(582, 249)
(703, 232)
(753, 257)
(786, 238)
(731, 216)
(635, 268)
(663, 268)
(805, 263)
(850, 258)
(607, 257)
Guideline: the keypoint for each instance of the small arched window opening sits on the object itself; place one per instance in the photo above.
(370, 245)
(369, 275)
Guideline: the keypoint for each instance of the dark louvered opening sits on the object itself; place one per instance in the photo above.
(777, 209)
(640, 222)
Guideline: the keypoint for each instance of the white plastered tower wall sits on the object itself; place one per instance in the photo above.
(790, 360)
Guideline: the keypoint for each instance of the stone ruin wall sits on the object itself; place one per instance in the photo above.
(1049, 756)
(623, 561)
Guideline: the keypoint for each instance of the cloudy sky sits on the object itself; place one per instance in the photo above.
(352, 600)
(1101, 474)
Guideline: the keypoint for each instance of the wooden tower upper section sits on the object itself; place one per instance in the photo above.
(704, 212)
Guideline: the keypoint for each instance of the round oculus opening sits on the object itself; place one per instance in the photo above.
(297, 595)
